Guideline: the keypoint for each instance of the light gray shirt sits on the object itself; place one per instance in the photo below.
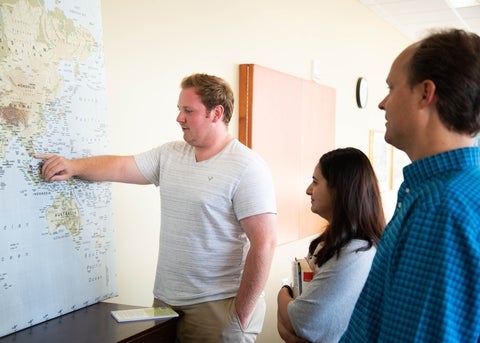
(322, 312)
(202, 244)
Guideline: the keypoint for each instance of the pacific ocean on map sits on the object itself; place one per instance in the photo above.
(57, 249)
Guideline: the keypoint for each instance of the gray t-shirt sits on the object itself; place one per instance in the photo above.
(202, 245)
(322, 312)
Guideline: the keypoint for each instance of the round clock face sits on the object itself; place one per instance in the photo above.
(362, 92)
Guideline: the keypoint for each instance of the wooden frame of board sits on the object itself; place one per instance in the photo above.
(290, 122)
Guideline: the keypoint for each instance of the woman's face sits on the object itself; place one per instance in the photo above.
(320, 195)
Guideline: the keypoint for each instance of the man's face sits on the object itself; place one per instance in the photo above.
(401, 105)
(193, 117)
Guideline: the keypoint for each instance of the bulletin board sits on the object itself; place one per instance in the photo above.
(290, 122)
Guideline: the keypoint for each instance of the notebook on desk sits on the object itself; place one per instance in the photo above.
(145, 313)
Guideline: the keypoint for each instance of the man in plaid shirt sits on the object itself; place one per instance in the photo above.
(424, 285)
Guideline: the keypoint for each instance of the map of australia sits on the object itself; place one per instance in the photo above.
(57, 250)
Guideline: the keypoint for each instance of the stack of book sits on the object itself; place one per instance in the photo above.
(302, 274)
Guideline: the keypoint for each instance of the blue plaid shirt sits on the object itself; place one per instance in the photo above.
(424, 285)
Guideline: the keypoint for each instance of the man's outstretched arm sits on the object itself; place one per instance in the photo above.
(97, 168)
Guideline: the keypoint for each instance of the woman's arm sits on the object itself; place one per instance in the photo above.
(284, 325)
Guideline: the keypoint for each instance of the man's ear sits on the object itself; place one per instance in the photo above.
(217, 113)
(428, 92)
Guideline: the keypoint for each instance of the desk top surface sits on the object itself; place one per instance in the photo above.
(90, 324)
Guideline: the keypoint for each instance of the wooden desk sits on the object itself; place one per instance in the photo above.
(94, 324)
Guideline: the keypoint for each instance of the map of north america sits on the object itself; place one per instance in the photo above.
(57, 251)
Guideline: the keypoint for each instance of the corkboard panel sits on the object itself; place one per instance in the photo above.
(290, 122)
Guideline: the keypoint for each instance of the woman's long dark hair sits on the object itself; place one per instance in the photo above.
(357, 204)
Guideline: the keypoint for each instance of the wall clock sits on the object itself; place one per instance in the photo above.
(361, 92)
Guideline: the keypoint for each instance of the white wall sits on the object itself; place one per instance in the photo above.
(151, 45)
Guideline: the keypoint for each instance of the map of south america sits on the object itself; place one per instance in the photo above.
(57, 251)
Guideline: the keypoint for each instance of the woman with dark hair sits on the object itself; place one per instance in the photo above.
(345, 192)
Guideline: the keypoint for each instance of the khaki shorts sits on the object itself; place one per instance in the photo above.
(216, 322)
